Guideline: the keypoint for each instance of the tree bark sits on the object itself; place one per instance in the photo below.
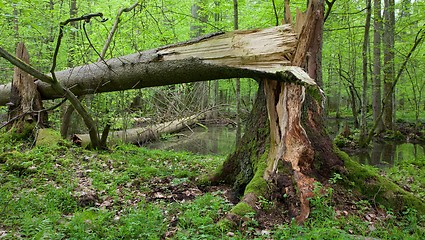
(388, 40)
(237, 80)
(285, 166)
(244, 54)
(364, 102)
(376, 87)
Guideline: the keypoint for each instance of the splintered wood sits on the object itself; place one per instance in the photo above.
(266, 50)
(289, 140)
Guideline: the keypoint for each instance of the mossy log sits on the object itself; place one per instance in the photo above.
(380, 190)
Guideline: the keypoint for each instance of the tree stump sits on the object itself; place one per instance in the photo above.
(25, 101)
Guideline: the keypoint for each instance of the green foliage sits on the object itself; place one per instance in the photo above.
(199, 218)
(265, 204)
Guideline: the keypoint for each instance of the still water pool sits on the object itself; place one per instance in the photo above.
(215, 140)
(220, 140)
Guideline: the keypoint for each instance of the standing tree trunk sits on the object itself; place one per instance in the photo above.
(200, 89)
(363, 128)
(71, 122)
(238, 80)
(376, 87)
(388, 40)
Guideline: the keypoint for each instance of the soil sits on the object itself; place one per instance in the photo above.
(269, 213)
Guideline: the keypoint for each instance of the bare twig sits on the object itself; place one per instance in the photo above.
(328, 11)
(114, 29)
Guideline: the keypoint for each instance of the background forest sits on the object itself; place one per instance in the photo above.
(365, 46)
(372, 67)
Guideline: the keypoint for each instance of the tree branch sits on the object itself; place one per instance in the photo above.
(114, 29)
(328, 11)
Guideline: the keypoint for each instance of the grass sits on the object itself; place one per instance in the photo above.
(65, 192)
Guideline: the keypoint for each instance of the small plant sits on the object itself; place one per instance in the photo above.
(321, 202)
(265, 204)
(335, 178)
(166, 136)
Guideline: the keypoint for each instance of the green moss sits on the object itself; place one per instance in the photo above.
(242, 208)
(47, 137)
(258, 184)
(379, 189)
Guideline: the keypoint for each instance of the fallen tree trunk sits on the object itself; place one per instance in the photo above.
(243, 54)
(144, 134)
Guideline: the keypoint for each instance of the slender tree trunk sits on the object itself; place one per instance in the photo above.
(200, 89)
(73, 11)
(16, 21)
(71, 123)
(238, 80)
(216, 83)
(376, 87)
(388, 40)
(364, 102)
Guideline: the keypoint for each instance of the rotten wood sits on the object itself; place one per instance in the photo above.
(25, 101)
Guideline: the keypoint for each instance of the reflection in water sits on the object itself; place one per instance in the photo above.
(389, 154)
(217, 140)
(220, 140)
(381, 154)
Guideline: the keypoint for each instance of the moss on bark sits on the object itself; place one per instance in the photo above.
(258, 184)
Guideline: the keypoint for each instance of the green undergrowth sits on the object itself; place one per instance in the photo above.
(59, 191)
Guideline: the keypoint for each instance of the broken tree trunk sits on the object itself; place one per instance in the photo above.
(244, 54)
(286, 166)
(25, 102)
(145, 134)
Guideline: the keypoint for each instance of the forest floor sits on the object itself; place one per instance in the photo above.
(61, 191)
